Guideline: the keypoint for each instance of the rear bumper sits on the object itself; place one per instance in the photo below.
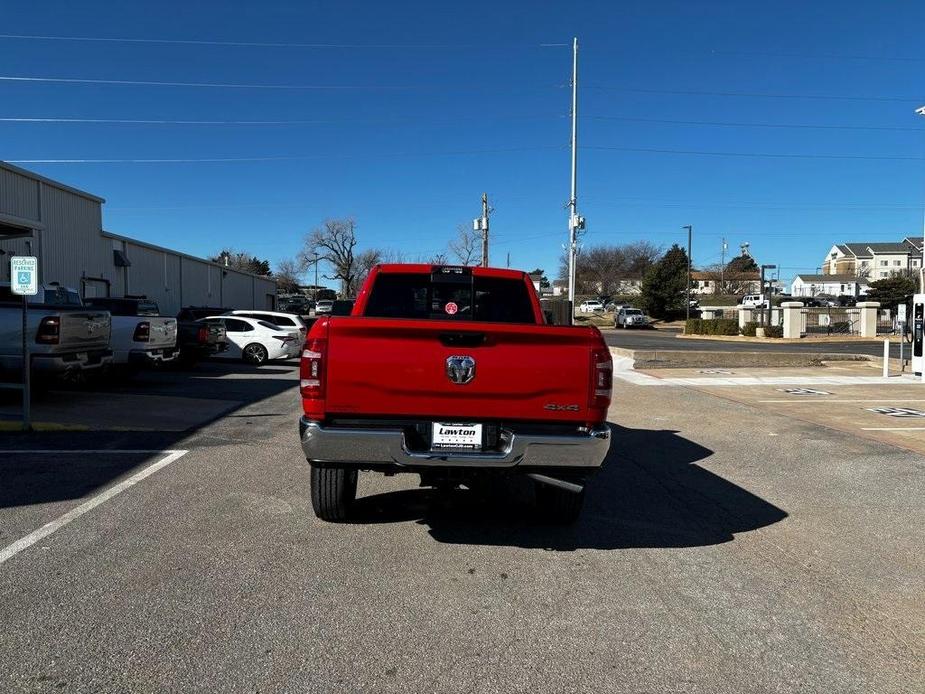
(77, 361)
(365, 447)
(146, 357)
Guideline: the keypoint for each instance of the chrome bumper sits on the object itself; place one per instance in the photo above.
(387, 446)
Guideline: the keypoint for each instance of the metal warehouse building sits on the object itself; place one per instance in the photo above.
(63, 227)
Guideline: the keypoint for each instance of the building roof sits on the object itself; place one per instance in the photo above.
(726, 276)
(889, 247)
(858, 250)
(831, 279)
(51, 182)
(916, 242)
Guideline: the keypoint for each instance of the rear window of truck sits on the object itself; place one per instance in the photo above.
(461, 297)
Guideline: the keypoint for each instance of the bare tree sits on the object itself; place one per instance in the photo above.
(731, 282)
(287, 275)
(365, 262)
(438, 259)
(602, 269)
(334, 242)
(467, 246)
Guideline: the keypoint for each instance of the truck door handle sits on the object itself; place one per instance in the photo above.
(462, 339)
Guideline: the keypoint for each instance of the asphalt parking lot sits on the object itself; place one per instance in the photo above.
(729, 545)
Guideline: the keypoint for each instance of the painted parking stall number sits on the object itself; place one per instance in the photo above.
(803, 391)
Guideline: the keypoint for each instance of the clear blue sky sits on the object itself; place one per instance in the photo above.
(435, 103)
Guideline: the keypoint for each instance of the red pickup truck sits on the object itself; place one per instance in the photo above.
(452, 373)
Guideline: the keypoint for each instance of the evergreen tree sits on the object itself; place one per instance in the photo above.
(664, 287)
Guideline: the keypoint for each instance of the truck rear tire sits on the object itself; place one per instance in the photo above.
(334, 490)
(559, 506)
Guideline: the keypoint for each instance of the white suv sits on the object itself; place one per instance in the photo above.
(591, 306)
(753, 301)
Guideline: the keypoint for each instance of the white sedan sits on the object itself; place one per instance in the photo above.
(257, 341)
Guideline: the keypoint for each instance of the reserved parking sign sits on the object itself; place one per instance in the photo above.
(24, 275)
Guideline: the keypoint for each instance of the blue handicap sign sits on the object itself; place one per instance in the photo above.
(23, 277)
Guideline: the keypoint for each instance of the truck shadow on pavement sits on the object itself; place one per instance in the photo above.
(650, 493)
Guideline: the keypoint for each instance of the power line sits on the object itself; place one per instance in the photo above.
(754, 125)
(267, 44)
(771, 155)
(151, 121)
(762, 95)
(205, 85)
(306, 157)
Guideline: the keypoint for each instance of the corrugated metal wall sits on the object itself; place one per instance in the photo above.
(72, 250)
(19, 195)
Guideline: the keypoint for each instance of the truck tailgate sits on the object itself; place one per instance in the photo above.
(84, 329)
(162, 334)
(386, 367)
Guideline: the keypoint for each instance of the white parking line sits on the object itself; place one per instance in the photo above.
(827, 401)
(892, 428)
(47, 529)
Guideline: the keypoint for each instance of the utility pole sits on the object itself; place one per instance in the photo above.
(576, 222)
(690, 230)
(722, 268)
(509, 259)
(316, 277)
(481, 224)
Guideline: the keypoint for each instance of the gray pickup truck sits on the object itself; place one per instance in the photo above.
(64, 336)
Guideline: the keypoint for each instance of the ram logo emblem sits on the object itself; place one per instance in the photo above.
(460, 369)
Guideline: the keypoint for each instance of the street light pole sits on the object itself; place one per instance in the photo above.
(690, 231)
(767, 298)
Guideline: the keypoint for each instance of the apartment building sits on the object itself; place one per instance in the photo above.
(874, 261)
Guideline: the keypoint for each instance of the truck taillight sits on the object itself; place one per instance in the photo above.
(601, 378)
(203, 335)
(311, 370)
(142, 332)
(49, 332)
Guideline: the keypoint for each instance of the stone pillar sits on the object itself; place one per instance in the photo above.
(869, 317)
(793, 318)
(745, 316)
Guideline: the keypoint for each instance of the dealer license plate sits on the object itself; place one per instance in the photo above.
(456, 436)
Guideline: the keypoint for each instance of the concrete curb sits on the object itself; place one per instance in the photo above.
(671, 359)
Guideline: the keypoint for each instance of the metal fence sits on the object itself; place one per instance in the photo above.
(886, 322)
(830, 321)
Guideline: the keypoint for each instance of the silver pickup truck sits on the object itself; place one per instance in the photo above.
(141, 336)
(64, 336)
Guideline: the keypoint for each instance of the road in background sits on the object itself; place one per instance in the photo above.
(666, 339)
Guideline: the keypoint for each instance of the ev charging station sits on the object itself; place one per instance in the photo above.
(918, 326)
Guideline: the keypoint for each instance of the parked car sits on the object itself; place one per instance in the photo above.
(342, 307)
(198, 339)
(141, 336)
(283, 320)
(257, 341)
(629, 317)
(591, 306)
(299, 305)
(324, 306)
(753, 301)
(436, 373)
(65, 337)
